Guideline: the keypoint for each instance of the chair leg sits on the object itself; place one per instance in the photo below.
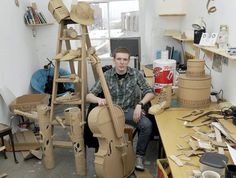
(13, 146)
(4, 151)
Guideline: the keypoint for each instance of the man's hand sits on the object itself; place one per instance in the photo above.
(137, 113)
(101, 101)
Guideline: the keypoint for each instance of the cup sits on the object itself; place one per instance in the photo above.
(230, 171)
(210, 174)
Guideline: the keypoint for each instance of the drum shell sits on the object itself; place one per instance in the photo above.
(195, 68)
(194, 92)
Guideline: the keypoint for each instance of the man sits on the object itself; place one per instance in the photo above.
(122, 81)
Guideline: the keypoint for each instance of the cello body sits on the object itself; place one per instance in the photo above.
(115, 158)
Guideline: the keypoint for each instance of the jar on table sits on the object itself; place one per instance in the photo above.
(223, 37)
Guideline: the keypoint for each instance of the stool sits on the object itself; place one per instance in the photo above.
(6, 130)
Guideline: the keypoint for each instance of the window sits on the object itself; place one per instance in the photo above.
(113, 19)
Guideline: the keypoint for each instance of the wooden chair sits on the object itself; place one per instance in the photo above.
(6, 130)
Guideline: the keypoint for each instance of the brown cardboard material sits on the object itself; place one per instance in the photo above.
(46, 135)
(29, 102)
(195, 68)
(194, 86)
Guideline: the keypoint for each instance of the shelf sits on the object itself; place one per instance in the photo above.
(172, 14)
(39, 25)
(182, 39)
(215, 50)
(33, 26)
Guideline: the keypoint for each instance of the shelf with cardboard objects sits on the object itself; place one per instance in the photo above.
(211, 50)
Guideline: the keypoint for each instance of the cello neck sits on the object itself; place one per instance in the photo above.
(96, 61)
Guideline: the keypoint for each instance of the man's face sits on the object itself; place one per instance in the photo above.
(121, 62)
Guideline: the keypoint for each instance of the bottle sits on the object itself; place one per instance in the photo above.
(223, 37)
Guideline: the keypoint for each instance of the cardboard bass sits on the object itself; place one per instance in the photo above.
(115, 157)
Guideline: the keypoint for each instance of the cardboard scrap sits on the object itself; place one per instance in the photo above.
(193, 144)
(2, 148)
(232, 152)
(189, 153)
(196, 114)
(176, 160)
(205, 145)
(22, 146)
(37, 153)
(219, 139)
(3, 175)
(189, 124)
(223, 130)
(26, 137)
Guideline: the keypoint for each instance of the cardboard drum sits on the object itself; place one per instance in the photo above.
(194, 92)
(195, 68)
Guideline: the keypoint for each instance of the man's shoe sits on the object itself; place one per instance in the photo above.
(139, 163)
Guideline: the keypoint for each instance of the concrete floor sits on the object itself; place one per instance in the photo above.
(64, 164)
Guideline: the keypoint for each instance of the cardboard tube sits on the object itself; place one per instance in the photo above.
(77, 129)
(46, 133)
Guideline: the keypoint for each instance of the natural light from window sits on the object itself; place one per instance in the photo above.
(113, 19)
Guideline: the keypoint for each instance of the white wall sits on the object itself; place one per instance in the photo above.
(152, 27)
(224, 15)
(17, 52)
(21, 54)
(154, 24)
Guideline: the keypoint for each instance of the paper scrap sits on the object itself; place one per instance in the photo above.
(232, 152)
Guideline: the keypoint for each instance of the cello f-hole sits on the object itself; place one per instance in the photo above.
(109, 153)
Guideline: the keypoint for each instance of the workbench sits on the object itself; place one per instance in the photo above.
(173, 132)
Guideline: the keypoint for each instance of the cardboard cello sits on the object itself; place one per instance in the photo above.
(115, 157)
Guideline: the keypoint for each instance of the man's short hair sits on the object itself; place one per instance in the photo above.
(121, 50)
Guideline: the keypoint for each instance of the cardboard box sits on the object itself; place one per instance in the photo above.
(29, 102)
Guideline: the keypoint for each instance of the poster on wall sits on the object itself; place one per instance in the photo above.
(171, 7)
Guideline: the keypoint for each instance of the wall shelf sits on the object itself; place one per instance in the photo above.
(178, 38)
(38, 25)
(172, 14)
(34, 26)
(215, 50)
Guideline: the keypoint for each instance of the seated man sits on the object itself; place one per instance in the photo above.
(122, 81)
